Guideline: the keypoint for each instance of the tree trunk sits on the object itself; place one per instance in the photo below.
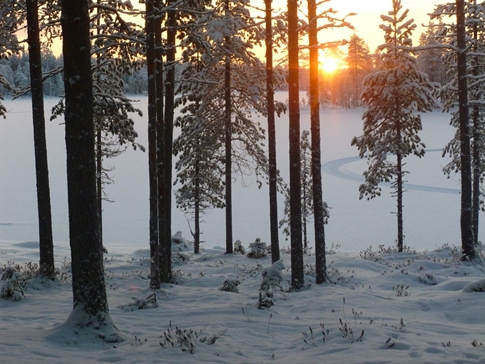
(99, 179)
(318, 209)
(88, 285)
(466, 223)
(297, 278)
(166, 242)
(476, 146)
(152, 145)
(197, 207)
(161, 160)
(399, 188)
(228, 142)
(476, 193)
(46, 246)
(228, 152)
(273, 197)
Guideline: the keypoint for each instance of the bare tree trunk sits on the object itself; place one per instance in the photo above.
(273, 197)
(88, 285)
(399, 192)
(99, 179)
(228, 142)
(318, 208)
(228, 152)
(466, 221)
(152, 144)
(297, 277)
(476, 146)
(46, 246)
(197, 207)
(166, 241)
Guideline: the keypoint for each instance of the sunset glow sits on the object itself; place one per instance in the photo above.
(330, 65)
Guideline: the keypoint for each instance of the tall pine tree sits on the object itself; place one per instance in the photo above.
(393, 95)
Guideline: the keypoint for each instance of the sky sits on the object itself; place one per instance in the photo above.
(367, 20)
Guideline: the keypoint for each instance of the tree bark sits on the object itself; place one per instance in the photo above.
(466, 222)
(318, 209)
(166, 243)
(228, 141)
(88, 285)
(297, 278)
(152, 145)
(273, 197)
(46, 246)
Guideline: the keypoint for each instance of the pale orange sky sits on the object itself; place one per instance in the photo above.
(367, 20)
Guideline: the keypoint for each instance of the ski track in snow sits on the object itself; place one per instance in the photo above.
(334, 168)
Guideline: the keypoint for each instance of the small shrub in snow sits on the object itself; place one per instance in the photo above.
(141, 303)
(348, 333)
(427, 278)
(187, 339)
(230, 285)
(476, 344)
(401, 290)
(239, 248)
(478, 286)
(179, 244)
(14, 284)
(258, 249)
(271, 279)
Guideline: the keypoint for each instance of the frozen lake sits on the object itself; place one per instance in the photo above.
(431, 204)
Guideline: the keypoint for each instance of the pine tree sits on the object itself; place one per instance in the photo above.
(89, 290)
(464, 70)
(307, 195)
(8, 46)
(46, 245)
(394, 94)
(430, 58)
(199, 147)
(297, 277)
(359, 62)
(232, 75)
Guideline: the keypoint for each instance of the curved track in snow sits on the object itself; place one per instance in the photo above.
(334, 168)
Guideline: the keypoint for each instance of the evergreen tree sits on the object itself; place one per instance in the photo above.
(8, 46)
(273, 193)
(297, 277)
(465, 68)
(46, 245)
(89, 290)
(199, 147)
(359, 62)
(430, 58)
(394, 94)
(307, 195)
(232, 75)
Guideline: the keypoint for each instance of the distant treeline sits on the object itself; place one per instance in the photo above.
(16, 71)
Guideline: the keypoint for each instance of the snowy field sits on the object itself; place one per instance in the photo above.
(411, 308)
(431, 204)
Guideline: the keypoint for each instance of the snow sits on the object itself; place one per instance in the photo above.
(431, 215)
(411, 307)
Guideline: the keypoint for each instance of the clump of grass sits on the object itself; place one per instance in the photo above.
(187, 339)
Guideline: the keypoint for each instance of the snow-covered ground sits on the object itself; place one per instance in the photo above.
(431, 205)
(411, 308)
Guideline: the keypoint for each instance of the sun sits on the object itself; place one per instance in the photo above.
(330, 65)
